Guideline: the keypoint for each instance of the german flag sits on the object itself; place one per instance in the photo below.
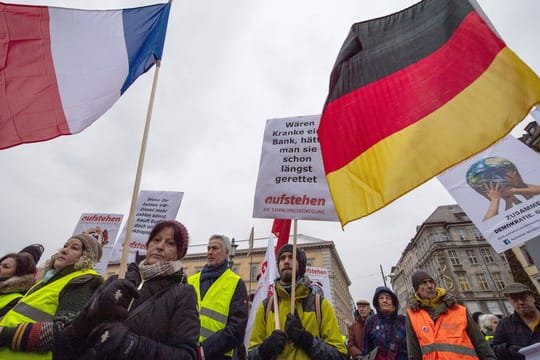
(411, 95)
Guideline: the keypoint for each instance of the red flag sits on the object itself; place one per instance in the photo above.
(281, 228)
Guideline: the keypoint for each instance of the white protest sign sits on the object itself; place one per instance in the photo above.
(265, 286)
(104, 228)
(291, 182)
(152, 207)
(499, 190)
(319, 277)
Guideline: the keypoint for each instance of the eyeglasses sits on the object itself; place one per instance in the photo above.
(519, 297)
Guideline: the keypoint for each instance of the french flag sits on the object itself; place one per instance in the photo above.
(61, 69)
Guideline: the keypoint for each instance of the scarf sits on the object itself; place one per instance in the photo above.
(161, 268)
(432, 303)
(210, 274)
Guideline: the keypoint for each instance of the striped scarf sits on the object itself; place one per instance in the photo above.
(160, 268)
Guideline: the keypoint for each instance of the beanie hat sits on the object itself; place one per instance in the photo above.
(36, 250)
(180, 233)
(92, 248)
(418, 276)
(300, 257)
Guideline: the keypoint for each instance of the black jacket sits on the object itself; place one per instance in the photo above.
(168, 325)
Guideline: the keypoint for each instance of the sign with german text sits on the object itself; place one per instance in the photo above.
(499, 190)
(104, 228)
(319, 278)
(152, 207)
(291, 182)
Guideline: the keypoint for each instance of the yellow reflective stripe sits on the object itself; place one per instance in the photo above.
(33, 313)
(214, 315)
(448, 348)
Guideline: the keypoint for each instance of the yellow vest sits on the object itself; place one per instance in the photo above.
(214, 307)
(37, 306)
(7, 298)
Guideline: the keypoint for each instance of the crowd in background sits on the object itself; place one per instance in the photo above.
(65, 310)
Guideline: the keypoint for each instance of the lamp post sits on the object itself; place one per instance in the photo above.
(234, 245)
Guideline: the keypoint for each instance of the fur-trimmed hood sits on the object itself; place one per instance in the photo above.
(18, 284)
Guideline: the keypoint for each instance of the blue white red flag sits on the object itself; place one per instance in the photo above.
(61, 69)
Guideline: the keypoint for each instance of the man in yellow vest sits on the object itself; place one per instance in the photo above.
(437, 327)
(223, 304)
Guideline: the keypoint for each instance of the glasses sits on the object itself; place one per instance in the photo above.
(519, 297)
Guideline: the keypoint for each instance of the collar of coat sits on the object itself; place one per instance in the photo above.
(18, 284)
(443, 299)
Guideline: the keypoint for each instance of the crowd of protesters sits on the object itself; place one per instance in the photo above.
(65, 310)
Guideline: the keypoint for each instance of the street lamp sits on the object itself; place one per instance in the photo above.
(234, 245)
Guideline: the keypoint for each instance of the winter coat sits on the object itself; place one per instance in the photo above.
(41, 337)
(512, 330)
(356, 337)
(447, 303)
(327, 345)
(167, 326)
(12, 290)
(386, 332)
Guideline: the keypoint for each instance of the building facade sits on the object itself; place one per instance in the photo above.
(449, 246)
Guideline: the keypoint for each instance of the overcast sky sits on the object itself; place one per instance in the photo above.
(227, 67)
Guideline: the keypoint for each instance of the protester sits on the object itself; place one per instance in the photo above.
(384, 333)
(16, 277)
(488, 324)
(311, 333)
(438, 327)
(43, 312)
(161, 323)
(356, 330)
(223, 304)
(520, 328)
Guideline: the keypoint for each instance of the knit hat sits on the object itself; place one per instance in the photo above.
(36, 250)
(181, 236)
(92, 248)
(418, 276)
(516, 288)
(300, 257)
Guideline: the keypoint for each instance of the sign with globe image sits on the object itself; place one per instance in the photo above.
(499, 190)
(491, 171)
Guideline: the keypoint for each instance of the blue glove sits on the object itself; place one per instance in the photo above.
(297, 333)
(112, 338)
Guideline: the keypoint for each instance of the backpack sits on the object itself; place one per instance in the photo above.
(268, 304)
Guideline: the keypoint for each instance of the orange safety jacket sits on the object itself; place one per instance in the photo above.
(445, 339)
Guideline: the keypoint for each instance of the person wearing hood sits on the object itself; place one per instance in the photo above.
(151, 314)
(384, 333)
(29, 330)
(305, 335)
(16, 277)
(438, 327)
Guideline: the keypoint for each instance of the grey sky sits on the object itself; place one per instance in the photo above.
(227, 67)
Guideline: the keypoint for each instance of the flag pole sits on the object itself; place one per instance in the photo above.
(293, 280)
(250, 254)
(136, 185)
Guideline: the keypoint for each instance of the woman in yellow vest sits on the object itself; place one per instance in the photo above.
(29, 329)
(16, 277)
(151, 314)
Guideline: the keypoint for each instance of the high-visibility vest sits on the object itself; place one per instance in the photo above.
(445, 339)
(7, 298)
(37, 306)
(214, 307)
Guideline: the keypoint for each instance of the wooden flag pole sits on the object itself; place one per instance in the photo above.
(293, 280)
(136, 185)
(276, 310)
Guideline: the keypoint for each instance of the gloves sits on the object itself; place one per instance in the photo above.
(273, 345)
(296, 332)
(112, 301)
(112, 338)
(505, 351)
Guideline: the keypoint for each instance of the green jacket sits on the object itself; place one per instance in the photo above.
(326, 345)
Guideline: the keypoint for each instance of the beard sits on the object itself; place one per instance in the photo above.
(286, 276)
